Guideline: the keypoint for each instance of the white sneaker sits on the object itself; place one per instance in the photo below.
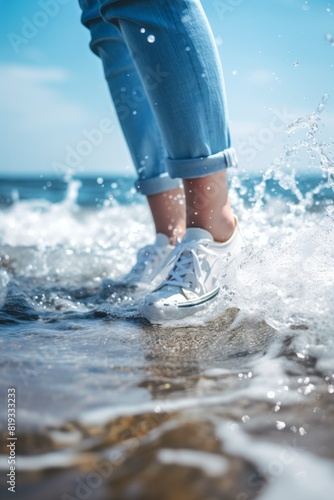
(192, 283)
(149, 260)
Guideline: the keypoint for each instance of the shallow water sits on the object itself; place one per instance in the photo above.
(235, 404)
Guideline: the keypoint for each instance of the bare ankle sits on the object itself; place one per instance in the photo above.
(208, 205)
(176, 234)
(225, 230)
(168, 212)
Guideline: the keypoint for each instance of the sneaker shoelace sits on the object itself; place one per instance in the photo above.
(186, 259)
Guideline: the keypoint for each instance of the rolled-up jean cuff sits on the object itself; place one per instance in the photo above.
(201, 167)
(100, 31)
(156, 185)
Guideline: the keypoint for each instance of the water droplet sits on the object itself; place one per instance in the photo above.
(306, 6)
(330, 38)
(186, 18)
(100, 180)
(151, 38)
(296, 64)
(271, 394)
(134, 112)
(187, 49)
(280, 425)
(219, 41)
(142, 30)
(234, 72)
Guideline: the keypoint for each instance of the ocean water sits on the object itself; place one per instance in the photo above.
(235, 404)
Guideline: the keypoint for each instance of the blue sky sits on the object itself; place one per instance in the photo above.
(277, 57)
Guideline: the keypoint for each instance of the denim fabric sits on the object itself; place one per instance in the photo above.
(170, 49)
(133, 109)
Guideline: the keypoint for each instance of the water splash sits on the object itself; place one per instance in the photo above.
(286, 273)
(282, 168)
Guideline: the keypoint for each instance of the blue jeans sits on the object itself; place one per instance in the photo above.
(164, 74)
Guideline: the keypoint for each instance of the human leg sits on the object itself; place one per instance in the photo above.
(137, 121)
(174, 51)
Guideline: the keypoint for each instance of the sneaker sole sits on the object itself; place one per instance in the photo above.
(173, 312)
